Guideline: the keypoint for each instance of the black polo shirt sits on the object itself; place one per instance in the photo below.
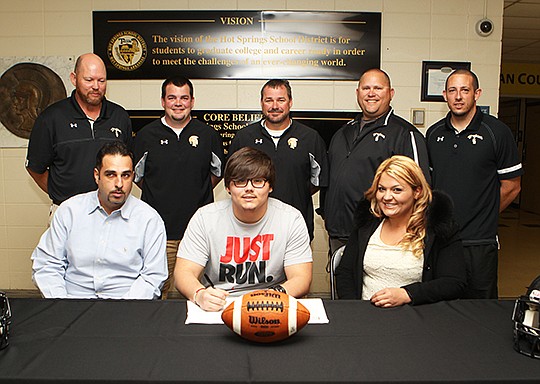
(63, 142)
(468, 166)
(176, 170)
(299, 160)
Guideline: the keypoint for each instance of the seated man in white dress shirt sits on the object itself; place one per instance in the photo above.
(105, 243)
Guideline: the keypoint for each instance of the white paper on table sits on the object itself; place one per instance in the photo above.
(195, 315)
(316, 310)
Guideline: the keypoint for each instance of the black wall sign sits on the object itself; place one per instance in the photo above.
(237, 44)
(228, 122)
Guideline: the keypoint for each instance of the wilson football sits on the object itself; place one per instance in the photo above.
(265, 316)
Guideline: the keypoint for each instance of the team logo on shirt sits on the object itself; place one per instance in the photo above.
(245, 260)
(117, 131)
(440, 138)
(378, 135)
(258, 141)
(293, 142)
(73, 125)
(164, 142)
(474, 137)
(127, 50)
(194, 141)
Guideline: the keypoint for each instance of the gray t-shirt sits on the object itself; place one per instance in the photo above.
(240, 257)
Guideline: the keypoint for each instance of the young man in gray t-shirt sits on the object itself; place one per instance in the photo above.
(246, 243)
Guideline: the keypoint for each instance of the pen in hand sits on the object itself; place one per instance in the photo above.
(208, 280)
(218, 294)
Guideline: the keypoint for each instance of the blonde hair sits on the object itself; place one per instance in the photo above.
(404, 168)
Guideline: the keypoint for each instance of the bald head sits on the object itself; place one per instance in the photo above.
(88, 59)
(380, 73)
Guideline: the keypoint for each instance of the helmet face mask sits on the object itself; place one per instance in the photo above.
(526, 331)
(5, 320)
(526, 319)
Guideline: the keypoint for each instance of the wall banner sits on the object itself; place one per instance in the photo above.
(520, 79)
(237, 44)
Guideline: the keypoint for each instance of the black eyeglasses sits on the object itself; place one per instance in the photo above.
(5, 320)
(258, 182)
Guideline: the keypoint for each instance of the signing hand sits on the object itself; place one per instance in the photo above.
(390, 297)
(211, 299)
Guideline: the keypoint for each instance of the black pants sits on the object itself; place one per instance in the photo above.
(482, 262)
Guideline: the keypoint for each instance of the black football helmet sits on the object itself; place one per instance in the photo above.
(526, 321)
(5, 320)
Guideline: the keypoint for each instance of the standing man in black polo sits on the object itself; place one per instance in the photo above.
(359, 147)
(179, 162)
(67, 135)
(297, 151)
(475, 160)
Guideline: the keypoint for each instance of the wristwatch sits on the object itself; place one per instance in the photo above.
(278, 288)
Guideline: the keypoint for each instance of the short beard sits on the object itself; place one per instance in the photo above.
(91, 101)
(280, 119)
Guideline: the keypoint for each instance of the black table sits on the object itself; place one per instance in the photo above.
(147, 341)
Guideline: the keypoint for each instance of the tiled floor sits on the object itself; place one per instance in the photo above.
(519, 256)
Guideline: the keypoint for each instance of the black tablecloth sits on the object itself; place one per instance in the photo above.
(147, 341)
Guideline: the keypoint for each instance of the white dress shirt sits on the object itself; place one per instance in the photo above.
(88, 254)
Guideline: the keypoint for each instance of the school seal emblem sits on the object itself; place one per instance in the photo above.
(127, 50)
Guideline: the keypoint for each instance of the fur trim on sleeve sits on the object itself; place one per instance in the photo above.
(440, 216)
(363, 215)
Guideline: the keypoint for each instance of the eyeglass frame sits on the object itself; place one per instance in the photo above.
(5, 320)
(247, 181)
